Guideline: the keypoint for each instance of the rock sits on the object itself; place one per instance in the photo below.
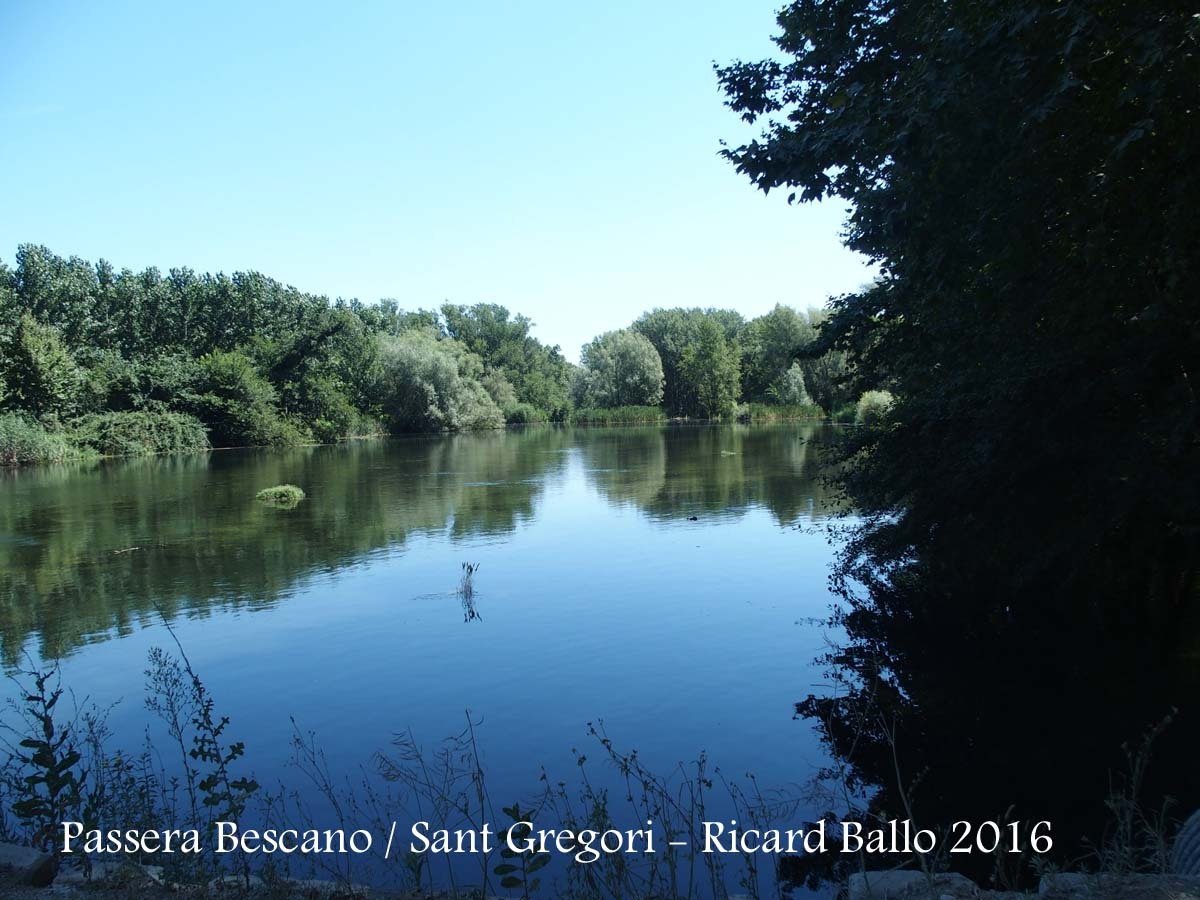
(905, 884)
(1078, 886)
(24, 865)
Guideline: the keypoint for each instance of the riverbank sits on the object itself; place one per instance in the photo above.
(24, 441)
(24, 873)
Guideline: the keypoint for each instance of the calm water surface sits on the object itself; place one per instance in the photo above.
(663, 580)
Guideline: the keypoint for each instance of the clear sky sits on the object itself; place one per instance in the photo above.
(558, 158)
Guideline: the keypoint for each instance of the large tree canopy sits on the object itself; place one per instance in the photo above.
(699, 353)
(619, 368)
(1024, 173)
(538, 373)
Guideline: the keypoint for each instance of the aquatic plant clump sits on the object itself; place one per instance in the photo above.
(285, 496)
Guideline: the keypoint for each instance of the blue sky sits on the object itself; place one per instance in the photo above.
(560, 159)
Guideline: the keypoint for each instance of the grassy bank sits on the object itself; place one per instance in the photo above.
(620, 415)
(25, 441)
(788, 412)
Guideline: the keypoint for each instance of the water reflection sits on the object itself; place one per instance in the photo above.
(86, 552)
(1086, 727)
(726, 471)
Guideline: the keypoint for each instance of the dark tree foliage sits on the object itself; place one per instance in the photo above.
(257, 361)
(1025, 175)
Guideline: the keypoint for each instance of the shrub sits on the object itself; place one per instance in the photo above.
(525, 414)
(282, 495)
(872, 406)
(779, 412)
(238, 404)
(24, 440)
(845, 413)
(137, 433)
(621, 415)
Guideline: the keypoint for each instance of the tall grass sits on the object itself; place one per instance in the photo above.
(620, 415)
(24, 440)
(525, 414)
(137, 433)
(779, 412)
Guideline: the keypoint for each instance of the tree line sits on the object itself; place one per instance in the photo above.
(93, 359)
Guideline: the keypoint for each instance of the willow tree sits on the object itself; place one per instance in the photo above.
(619, 368)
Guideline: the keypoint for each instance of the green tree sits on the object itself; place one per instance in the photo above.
(770, 344)
(539, 374)
(237, 403)
(688, 340)
(620, 368)
(710, 366)
(40, 374)
(427, 384)
(1023, 172)
(790, 388)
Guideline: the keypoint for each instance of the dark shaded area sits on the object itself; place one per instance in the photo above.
(1024, 596)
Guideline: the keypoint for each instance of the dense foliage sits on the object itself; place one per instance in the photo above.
(1024, 174)
(619, 368)
(25, 440)
(700, 359)
(142, 431)
(127, 363)
(427, 384)
(539, 375)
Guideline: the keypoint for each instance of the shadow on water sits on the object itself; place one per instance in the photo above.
(1008, 720)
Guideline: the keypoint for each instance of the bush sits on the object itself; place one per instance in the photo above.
(525, 414)
(23, 440)
(138, 433)
(779, 412)
(238, 404)
(621, 415)
(845, 414)
(283, 495)
(872, 406)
